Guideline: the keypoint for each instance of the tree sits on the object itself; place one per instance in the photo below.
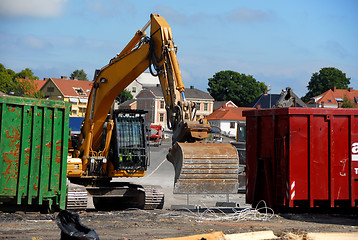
(79, 74)
(347, 103)
(9, 82)
(327, 78)
(6, 79)
(124, 96)
(29, 88)
(26, 73)
(240, 88)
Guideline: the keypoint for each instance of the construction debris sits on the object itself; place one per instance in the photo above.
(221, 236)
(332, 236)
(207, 236)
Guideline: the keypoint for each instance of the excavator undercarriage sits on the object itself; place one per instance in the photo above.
(108, 195)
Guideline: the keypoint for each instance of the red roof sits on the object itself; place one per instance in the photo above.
(70, 87)
(331, 96)
(228, 113)
(38, 83)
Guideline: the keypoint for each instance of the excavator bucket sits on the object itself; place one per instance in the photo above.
(202, 168)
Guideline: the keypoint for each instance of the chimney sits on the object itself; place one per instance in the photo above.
(334, 88)
(75, 78)
(265, 92)
(350, 89)
(258, 107)
(63, 77)
(191, 87)
(45, 79)
(27, 77)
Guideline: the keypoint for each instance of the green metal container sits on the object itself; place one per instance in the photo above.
(34, 138)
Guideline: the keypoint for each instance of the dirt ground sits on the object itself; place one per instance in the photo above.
(154, 224)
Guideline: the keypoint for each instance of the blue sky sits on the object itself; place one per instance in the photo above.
(279, 42)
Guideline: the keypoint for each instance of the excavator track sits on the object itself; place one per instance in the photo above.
(154, 197)
(122, 195)
(77, 197)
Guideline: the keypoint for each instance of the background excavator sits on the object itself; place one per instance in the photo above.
(112, 144)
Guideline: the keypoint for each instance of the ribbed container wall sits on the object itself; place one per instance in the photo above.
(302, 157)
(34, 138)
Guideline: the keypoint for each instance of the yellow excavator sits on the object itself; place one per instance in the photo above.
(112, 144)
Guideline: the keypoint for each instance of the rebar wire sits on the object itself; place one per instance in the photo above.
(258, 213)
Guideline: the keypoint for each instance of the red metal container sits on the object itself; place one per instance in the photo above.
(302, 157)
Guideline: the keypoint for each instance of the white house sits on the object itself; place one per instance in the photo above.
(228, 118)
(144, 80)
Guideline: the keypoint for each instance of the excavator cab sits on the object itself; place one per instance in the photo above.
(130, 151)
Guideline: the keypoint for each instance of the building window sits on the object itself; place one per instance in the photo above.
(232, 124)
(80, 91)
(134, 89)
(161, 117)
(50, 89)
(242, 133)
(162, 104)
(205, 106)
(198, 106)
(74, 112)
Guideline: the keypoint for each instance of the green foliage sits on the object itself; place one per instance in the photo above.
(26, 73)
(347, 103)
(29, 89)
(9, 82)
(327, 78)
(79, 74)
(240, 88)
(124, 96)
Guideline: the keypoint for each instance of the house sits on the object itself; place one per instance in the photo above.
(144, 80)
(74, 91)
(129, 104)
(219, 104)
(334, 98)
(151, 99)
(268, 100)
(229, 118)
(38, 84)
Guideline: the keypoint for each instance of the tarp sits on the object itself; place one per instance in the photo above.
(75, 124)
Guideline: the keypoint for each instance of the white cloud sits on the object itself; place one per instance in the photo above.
(33, 8)
(34, 42)
(247, 15)
(173, 15)
(110, 8)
